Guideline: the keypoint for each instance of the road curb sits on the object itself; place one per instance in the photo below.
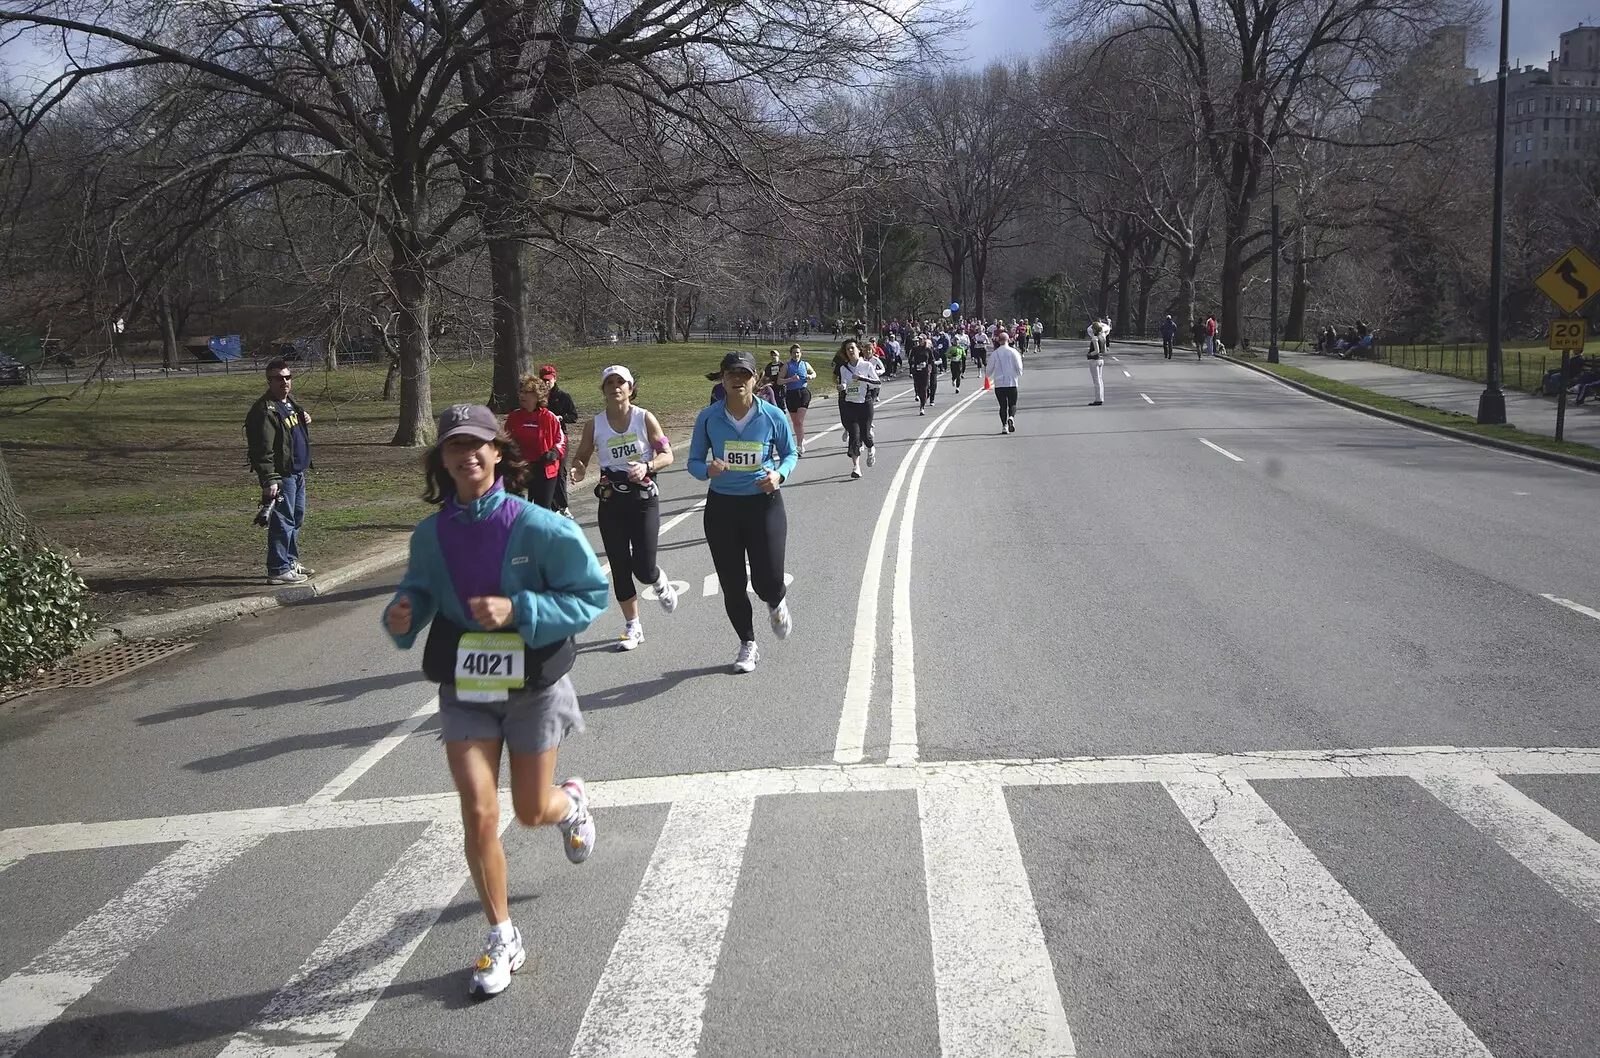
(182, 622)
(1578, 462)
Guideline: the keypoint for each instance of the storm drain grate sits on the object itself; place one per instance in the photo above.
(107, 663)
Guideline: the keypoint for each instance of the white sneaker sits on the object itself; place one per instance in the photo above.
(577, 830)
(749, 654)
(666, 594)
(1011, 425)
(306, 570)
(782, 624)
(501, 958)
(288, 576)
(872, 457)
(632, 636)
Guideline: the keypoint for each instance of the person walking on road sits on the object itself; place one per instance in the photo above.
(745, 449)
(1036, 332)
(1198, 333)
(923, 377)
(541, 438)
(797, 376)
(278, 443)
(1211, 336)
(502, 587)
(633, 450)
(1097, 362)
(857, 381)
(1169, 334)
(1004, 372)
(563, 407)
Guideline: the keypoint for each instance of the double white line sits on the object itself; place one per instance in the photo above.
(849, 748)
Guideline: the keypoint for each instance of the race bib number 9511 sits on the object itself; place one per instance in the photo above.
(488, 665)
(744, 455)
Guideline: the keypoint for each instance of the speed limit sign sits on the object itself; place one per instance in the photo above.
(1568, 334)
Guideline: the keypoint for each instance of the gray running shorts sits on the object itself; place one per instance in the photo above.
(527, 721)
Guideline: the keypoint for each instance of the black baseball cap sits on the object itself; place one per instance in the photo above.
(471, 420)
(739, 359)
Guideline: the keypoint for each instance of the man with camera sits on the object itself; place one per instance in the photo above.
(276, 432)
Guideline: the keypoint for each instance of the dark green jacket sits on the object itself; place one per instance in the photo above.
(271, 450)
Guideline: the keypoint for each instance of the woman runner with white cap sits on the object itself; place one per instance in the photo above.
(502, 586)
(633, 449)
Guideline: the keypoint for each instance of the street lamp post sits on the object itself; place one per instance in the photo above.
(1272, 344)
(1492, 402)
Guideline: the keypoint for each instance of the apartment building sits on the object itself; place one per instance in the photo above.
(1552, 114)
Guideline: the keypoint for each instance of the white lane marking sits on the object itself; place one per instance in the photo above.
(712, 585)
(1374, 999)
(849, 746)
(1118, 359)
(1128, 373)
(374, 753)
(1575, 607)
(1381, 762)
(1565, 857)
(69, 969)
(651, 996)
(1147, 399)
(992, 977)
(323, 1004)
(1219, 448)
(903, 682)
(673, 524)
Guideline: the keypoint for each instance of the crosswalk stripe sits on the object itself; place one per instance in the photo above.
(1567, 859)
(1374, 999)
(323, 1004)
(69, 969)
(993, 979)
(651, 997)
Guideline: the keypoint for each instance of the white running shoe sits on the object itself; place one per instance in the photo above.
(501, 958)
(872, 457)
(288, 576)
(577, 830)
(666, 594)
(749, 654)
(1011, 425)
(782, 624)
(855, 472)
(632, 636)
(306, 570)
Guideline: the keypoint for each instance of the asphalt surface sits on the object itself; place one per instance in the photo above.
(1215, 720)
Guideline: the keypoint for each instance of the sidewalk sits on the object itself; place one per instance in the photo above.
(1523, 410)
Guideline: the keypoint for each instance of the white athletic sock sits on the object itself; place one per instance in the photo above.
(503, 930)
(662, 583)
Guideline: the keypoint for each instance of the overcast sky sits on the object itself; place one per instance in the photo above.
(1011, 28)
(1005, 29)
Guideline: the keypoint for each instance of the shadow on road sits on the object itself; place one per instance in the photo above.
(328, 694)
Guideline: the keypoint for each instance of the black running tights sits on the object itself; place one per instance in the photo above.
(629, 528)
(751, 529)
(1007, 396)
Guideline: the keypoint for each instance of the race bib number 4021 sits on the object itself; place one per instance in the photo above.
(488, 665)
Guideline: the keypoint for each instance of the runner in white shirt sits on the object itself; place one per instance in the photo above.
(857, 380)
(1005, 372)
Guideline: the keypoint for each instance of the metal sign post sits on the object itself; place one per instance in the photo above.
(1567, 335)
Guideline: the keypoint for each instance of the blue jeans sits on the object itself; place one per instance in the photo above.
(283, 525)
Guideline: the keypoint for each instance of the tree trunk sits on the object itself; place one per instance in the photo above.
(1103, 302)
(1231, 282)
(980, 269)
(335, 336)
(1125, 249)
(15, 528)
(509, 287)
(169, 331)
(415, 428)
(1141, 315)
(1294, 328)
(1183, 311)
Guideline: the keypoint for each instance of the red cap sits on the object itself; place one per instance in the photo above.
(547, 371)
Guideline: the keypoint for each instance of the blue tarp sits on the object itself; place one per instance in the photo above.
(220, 347)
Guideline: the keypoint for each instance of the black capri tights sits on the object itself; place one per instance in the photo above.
(630, 529)
(740, 529)
(1007, 396)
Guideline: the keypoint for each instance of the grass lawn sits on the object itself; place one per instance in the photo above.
(146, 481)
(1425, 413)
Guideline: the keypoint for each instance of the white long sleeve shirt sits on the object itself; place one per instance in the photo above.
(1005, 367)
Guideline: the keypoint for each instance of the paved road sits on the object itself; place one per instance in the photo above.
(1215, 720)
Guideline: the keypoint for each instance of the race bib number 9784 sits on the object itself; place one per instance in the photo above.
(488, 665)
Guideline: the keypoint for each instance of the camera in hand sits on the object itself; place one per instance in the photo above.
(268, 501)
